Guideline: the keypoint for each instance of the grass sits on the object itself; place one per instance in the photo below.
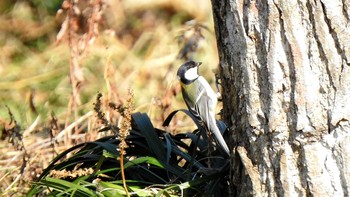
(136, 48)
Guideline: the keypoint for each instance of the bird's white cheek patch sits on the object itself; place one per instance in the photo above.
(191, 73)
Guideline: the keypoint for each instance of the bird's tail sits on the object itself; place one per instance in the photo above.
(218, 136)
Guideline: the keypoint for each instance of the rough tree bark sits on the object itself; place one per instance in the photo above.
(285, 71)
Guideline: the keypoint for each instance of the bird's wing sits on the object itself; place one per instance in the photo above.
(193, 109)
(202, 107)
(205, 106)
(206, 102)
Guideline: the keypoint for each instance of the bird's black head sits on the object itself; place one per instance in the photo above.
(188, 72)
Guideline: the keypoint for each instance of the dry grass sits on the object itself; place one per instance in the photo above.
(136, 47)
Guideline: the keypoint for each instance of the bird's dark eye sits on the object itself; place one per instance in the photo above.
(192, 65)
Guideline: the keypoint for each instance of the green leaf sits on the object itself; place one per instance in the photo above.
(110, 190)
(149, 160)
(62, 187)
(143, 122)
(172, 114)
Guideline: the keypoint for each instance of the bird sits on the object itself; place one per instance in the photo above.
(200, 98)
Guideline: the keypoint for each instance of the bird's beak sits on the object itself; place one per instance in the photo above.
(198, 64)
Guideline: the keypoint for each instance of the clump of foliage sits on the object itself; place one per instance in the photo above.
(153, 162)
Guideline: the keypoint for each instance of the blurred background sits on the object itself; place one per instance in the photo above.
(119, 45)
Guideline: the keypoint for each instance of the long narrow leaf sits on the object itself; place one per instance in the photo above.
(148, 160)
(155, 144)
(172, 114)
(66, 187)
(175, 149)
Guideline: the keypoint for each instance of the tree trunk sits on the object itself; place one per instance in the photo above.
(285, 72)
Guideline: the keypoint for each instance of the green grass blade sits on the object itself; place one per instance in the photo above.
(188, 113)
(62, 187)
(143, 123)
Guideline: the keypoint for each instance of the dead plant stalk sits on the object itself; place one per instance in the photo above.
(125, 127)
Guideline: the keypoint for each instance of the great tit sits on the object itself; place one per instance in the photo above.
(200, 99)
